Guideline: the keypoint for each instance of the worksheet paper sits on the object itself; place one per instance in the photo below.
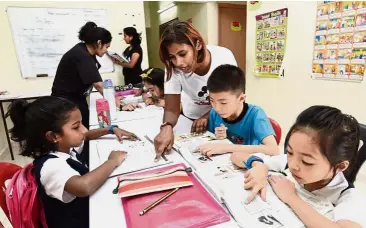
(226, 182)
(140, 155)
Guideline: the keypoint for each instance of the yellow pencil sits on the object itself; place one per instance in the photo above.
(158, 202)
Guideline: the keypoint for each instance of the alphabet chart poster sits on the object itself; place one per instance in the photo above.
(271, 31)
(340, 41)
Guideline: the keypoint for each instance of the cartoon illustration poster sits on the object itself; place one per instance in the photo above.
(271, 30)
(340, 41)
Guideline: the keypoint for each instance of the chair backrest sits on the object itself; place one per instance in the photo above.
(277, 129)
(361, 155)
(7, 171)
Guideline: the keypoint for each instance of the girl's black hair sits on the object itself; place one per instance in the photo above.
(155, 77)
(90, 33)
(33, 120)
(337, 134)
(136, 37)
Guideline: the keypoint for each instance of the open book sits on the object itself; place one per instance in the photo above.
(117, 57)
(226, 182)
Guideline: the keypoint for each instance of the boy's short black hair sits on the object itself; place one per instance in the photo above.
(226, 78)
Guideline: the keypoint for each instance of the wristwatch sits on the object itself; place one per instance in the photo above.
(166, 124)
(252, 159)
(110, 131)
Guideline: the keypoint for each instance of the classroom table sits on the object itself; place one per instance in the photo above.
(106, 208)
(12, 97)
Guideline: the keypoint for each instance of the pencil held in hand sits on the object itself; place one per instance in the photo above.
(220, 132)
(158, 202)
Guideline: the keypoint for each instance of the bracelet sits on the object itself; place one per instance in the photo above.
(252, 159)
(110, 131)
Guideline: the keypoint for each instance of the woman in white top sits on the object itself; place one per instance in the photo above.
(322, 148)
(189, 63)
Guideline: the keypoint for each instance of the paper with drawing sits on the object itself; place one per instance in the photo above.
(140, 154)
(226, 181)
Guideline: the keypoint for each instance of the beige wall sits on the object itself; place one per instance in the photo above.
(204, 17)
(213, 23)
(10, 73)
(283, 99)
(153, 35)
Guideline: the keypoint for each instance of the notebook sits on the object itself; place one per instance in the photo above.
(189, 207)
(137, 184)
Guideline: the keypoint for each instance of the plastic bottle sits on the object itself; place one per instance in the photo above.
(109, 95)
(103, 113)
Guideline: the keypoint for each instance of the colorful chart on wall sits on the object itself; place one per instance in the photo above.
(271, 32)
(340, 41)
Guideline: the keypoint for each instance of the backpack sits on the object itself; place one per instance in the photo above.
(24, 205)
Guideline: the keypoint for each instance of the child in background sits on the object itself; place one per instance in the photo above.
(47, 129)
(153, 79)
(321, 147)
(246, 125)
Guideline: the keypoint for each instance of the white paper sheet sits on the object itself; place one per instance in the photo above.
(140, 155)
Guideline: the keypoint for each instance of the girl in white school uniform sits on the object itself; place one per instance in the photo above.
(321, 147)
(47, 129)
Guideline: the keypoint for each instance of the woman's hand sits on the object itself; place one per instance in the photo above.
(164, 141)
(200, 125)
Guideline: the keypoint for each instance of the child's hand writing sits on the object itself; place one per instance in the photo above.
(130, 107)
(220, 132)
(121, 133)
(284, 188)
(149, 101)
(210, 149)
(161, 103)
(117, 156)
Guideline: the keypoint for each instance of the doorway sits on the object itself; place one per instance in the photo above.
(230, 17)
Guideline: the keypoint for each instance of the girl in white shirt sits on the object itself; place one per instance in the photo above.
(47, 129)
(321, 148)
(189, 63)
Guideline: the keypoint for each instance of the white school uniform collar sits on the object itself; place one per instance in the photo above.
(66, 156)
(331, 191)
(61, 154)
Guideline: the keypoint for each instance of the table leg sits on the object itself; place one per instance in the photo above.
(6, 130)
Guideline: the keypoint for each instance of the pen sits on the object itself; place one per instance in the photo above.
(158, 202)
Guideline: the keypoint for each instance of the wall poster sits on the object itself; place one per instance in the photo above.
(271, 31)
(340, 41)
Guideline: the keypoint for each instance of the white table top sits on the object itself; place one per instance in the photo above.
(13, 96)
(106, 208)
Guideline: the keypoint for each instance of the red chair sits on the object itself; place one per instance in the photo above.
(7, 171)
(277, 130)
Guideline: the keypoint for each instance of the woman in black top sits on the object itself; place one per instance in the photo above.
(77, 72)
(133, 53)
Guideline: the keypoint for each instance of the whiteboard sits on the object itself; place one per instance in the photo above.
(43, 35)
